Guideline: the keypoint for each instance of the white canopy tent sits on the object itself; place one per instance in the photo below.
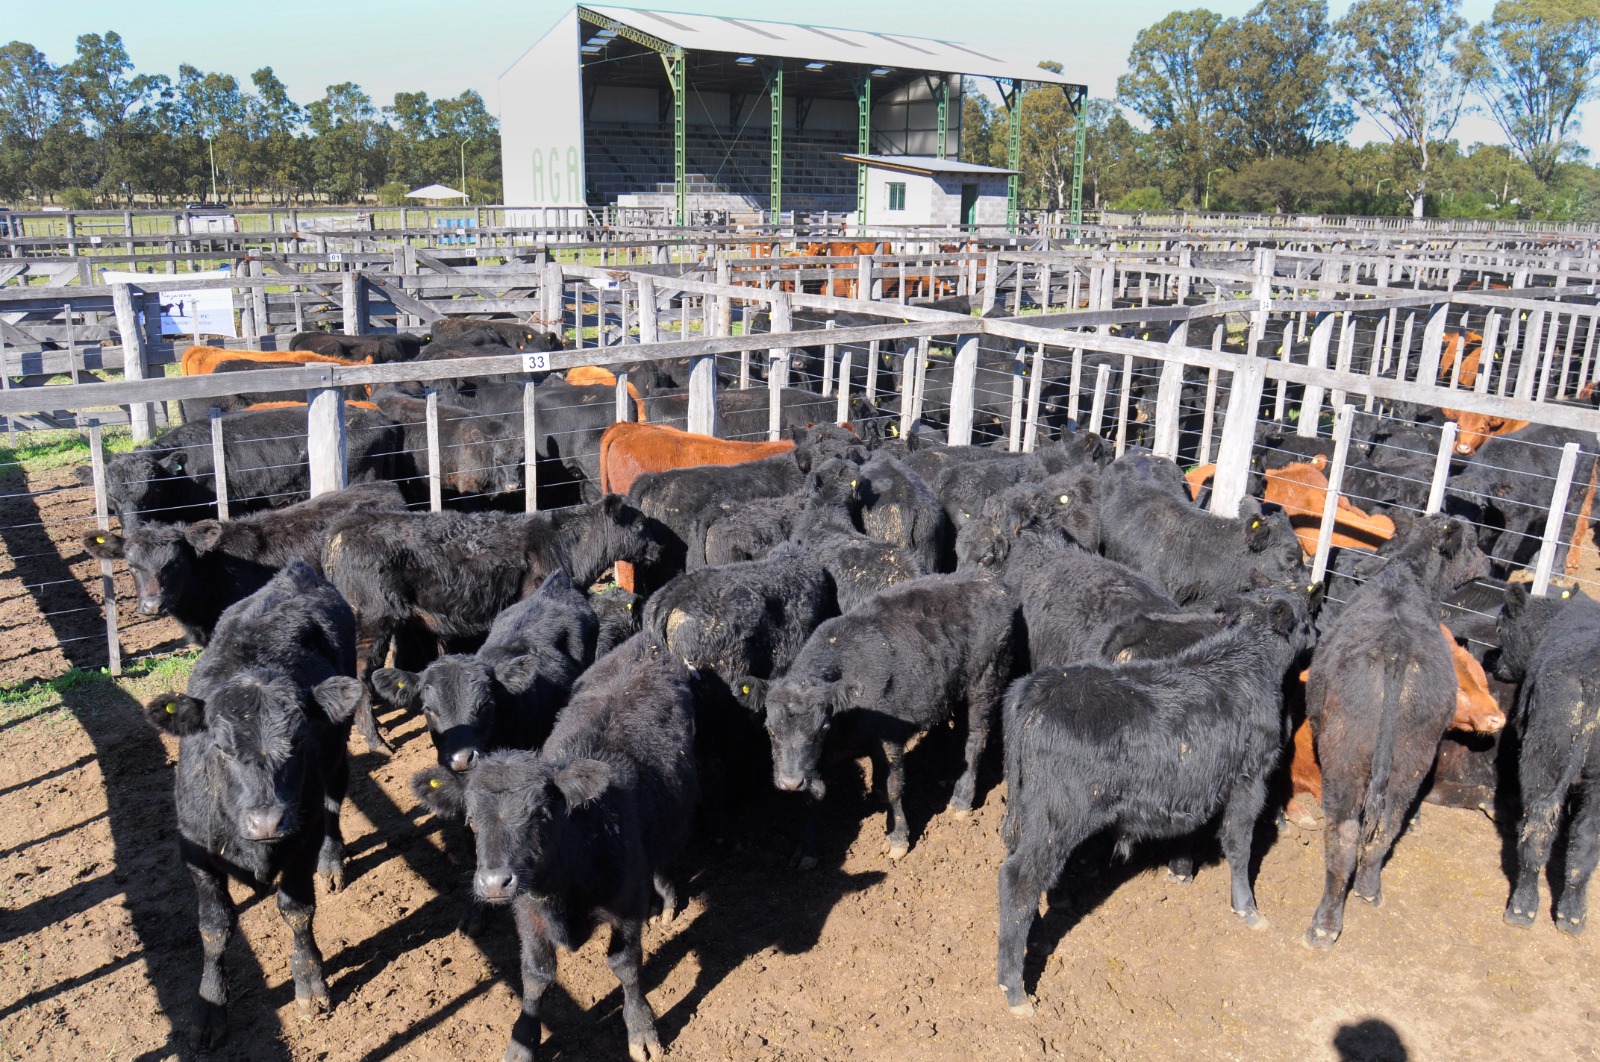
(435, 191)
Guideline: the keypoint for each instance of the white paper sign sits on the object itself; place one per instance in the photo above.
(535, 362)
(208, 311)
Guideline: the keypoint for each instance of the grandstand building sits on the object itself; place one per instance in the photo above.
(699, 113)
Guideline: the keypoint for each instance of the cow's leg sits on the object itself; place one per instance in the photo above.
(372, 643)
(1341, 843)
(538, 971)
(1412, 761)
(297, 903)
(805, 856)
(981, 704)
(894, 755)
(1029, 870)
(1238, 830)
(625, 956)
(1534, 838)
(330, 860)
(1180, 865)
(217, 919)
(666, 896)
(1583, 852)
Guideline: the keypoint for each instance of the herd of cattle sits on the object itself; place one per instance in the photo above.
(1141, 663)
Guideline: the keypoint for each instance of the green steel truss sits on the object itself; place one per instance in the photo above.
(672, 57)
(1078, 96)
(863, 144)
(775, 95)
(944, 112)
(1011, 94)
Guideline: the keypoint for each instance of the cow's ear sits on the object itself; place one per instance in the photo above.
(176, 713)
(1257, 532)
(1259, 580)
(84, 475)
(203, 535)
(440, 790)
(1516, 598)
(1314, 595)
(103, 545)
(1452, 538)
(612, 505)
(1282, 616)
(174, 462)
(518, 674)
(339, 696)
(583, 780)
(403, 689)
(751, 692)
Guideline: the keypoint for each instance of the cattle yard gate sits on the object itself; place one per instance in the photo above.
(1163, 336)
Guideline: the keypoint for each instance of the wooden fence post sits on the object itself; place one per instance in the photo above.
(102, 518)
(1441, 467)
(1238, 437)
(530, 447)
(1169, 396)
(219, 462)
(1311, 398)
(133, 358)
(325, 440)
(435, 485)
(1342, 423)
(962, 382)
(355, 303)
(778, 366)
(1545, 565)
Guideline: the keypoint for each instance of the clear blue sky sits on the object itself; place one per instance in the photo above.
(442, 47)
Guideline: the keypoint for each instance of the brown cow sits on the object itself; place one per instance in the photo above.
(1301, 490)
(1477, 712)
(628, 451)
(1475, 429)
(201, 360)
(1453, 343)
(588, 375)
(349, 404)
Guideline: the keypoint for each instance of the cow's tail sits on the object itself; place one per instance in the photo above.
(1012, 728)
(1375, 805)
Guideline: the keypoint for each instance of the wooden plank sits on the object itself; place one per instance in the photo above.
(219, 462)
(102, 519)
(325, 439)
(431, 422)
(530, 447)
(1441, 467)
(1544, 566)
(1343, 420)
(1232, 477)
(133, 358)
(962, 382)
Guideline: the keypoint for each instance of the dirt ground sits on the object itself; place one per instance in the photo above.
(859, 959)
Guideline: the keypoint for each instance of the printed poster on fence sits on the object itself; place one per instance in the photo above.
(208, 311)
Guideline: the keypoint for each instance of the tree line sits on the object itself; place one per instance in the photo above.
(94, 132)
(1251, 113)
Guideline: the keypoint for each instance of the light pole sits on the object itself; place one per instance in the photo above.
(1207, 204)
(211, 147)
(1376, 191)
(468, 198)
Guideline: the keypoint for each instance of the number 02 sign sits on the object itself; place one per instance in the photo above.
(538, 361)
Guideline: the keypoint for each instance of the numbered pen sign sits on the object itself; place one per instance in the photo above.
(537, 361)
(335, 256)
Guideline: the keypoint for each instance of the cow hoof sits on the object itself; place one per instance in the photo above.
(959, 814)
(210, 1026)
(1375, 900)
(1181, 879)
(646, 1051)
(332, 878)
(898, 850)
(1319, 939)
(379, 746)
(1519, 918)
(1023, 1008)
(1304, 813)
(1572, 927)
(1254, 919)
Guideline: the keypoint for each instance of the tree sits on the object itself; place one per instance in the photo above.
(1272, 77)
(1121, 159)
(977, 128)
(345, 142)
(1287, 185)
(98, 85)
(1166, 84)
(1396, 61)
(30, 92)
(1534, 63)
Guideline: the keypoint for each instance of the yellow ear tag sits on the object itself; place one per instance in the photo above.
(853, 483)
(629, 606)
(399, 685)
(172, 708)
(1566, 593)
(744, 689)
(433, 783)
(1254, 524)
(1063, 499)
(100, 539)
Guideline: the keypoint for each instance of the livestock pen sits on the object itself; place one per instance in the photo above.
(1182, 342)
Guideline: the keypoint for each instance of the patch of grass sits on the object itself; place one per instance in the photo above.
(43, 699)
(41, 450)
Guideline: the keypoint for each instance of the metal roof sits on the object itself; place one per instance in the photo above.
(753, 37)
(926, 164)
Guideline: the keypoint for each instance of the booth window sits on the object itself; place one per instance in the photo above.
(897, 195)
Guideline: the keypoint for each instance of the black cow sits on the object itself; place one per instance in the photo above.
(1381, 694)
(193, 572)
(748, 532)
(618, 611)
(507, 694)
(1511, 478)
(859, 564)
(453, 573)
(1150, 750)
(963, 489)
(584, 830)
(262, 770)
(899, 664)
(382, 349)
(899, 507)
(172, 477)
(478, 453)
(1198, 558)
(1551, 645)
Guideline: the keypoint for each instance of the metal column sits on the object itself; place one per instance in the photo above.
(775, 96)
(944, 112)
(677, 76)
(863, 145)
(1013, 102)
(1080, 149)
